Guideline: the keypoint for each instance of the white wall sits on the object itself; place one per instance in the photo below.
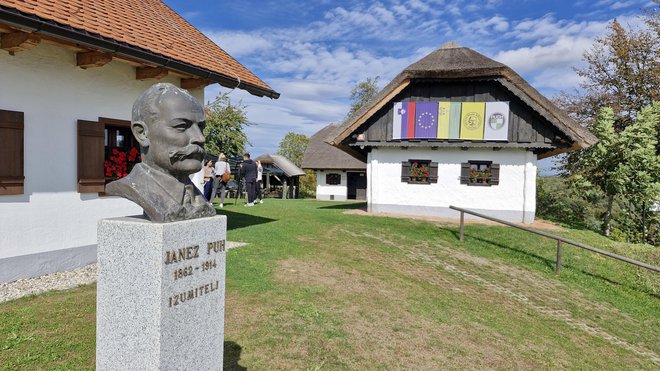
(46, 85)
(513, 199)
(324, 191)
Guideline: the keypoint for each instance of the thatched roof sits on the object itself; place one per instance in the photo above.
(452, 61)
(322, 156)
(288, 168)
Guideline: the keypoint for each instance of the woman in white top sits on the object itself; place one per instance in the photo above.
(221, 166)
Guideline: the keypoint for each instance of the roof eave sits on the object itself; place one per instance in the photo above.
(15, 18)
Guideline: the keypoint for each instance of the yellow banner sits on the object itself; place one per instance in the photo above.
(472, 120)
(443, 120)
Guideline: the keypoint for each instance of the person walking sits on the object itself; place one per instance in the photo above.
(260, 175)
(249, 173)
(209, 180)
(222, 176)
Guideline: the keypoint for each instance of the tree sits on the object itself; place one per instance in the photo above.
(622, 72)
(362, 93)
(621, 165)
(225, 122)
(293, 147)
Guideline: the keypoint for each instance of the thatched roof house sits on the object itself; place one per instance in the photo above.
(451, 63)
(457, 128)
(340, 175)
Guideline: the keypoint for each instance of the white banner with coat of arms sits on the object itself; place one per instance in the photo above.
(496, 121)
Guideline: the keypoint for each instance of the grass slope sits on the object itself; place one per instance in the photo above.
(319, 289)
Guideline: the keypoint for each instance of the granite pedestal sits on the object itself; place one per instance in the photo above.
(160, 294)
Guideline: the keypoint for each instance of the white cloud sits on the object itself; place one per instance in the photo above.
(239, 44)
(565, 51)
(315, 66)
(622, 4)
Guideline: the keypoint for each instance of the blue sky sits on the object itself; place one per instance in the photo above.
(313, 52)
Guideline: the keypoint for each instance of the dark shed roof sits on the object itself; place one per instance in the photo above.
(321, 155)
(452, 61)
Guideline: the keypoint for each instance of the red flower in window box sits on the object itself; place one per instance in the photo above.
(419, 170)
(120, 163)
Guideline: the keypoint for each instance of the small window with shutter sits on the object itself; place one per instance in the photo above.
(419, 172)
(107, 151)
(333, 179)
(11, 153)
(480, 173)
(122, 151)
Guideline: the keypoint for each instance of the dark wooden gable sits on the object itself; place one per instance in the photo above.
(526, 127)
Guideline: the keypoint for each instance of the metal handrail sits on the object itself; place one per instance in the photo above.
(559, 240)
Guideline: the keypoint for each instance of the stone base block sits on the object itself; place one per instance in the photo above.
(160, 294)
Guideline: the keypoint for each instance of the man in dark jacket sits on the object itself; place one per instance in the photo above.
(249, 173)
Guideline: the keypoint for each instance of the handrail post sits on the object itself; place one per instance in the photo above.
(462, 225)
(559, 240)
(559, 252)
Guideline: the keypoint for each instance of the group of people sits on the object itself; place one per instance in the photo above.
(217, 177)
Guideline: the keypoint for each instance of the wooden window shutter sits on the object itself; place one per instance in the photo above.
(494, 174)
(465, 173)
(405, 171)
(433, 172)
(12, 177)
(91, 155)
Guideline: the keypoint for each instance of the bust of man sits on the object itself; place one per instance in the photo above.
(168, 123)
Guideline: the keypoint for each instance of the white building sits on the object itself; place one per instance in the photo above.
(457, 128)
(68, 80)
(339, 175)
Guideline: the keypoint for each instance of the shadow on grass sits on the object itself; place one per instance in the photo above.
(236, 220)
(543, 260)
(232, 355)
(551, 264)
(346, 206)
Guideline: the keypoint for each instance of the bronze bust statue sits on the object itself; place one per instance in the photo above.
(168, 123)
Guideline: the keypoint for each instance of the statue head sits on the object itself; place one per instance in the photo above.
(169, 124)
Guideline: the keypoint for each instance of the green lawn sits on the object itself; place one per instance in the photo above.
(320, 289)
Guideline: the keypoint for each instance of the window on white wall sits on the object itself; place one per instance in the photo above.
(480, 173)
(332, 179)
(419, 171)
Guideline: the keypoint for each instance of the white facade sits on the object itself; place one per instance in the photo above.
(514, 199)
(331, 191)
(51, 226)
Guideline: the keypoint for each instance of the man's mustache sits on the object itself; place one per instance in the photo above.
(191, 150)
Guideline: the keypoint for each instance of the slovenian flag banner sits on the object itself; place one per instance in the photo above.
(403, 126)
(472, 120)
(451, 120)
(497, 121)
(426, 120)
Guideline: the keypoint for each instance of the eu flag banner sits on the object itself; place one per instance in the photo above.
(454, 120)
(443, 120)
(472, 120)
(426, 120)
(497, 121)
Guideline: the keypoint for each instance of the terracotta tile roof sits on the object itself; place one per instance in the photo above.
(148, 24)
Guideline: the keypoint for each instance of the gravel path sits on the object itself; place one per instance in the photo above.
(59, 280)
